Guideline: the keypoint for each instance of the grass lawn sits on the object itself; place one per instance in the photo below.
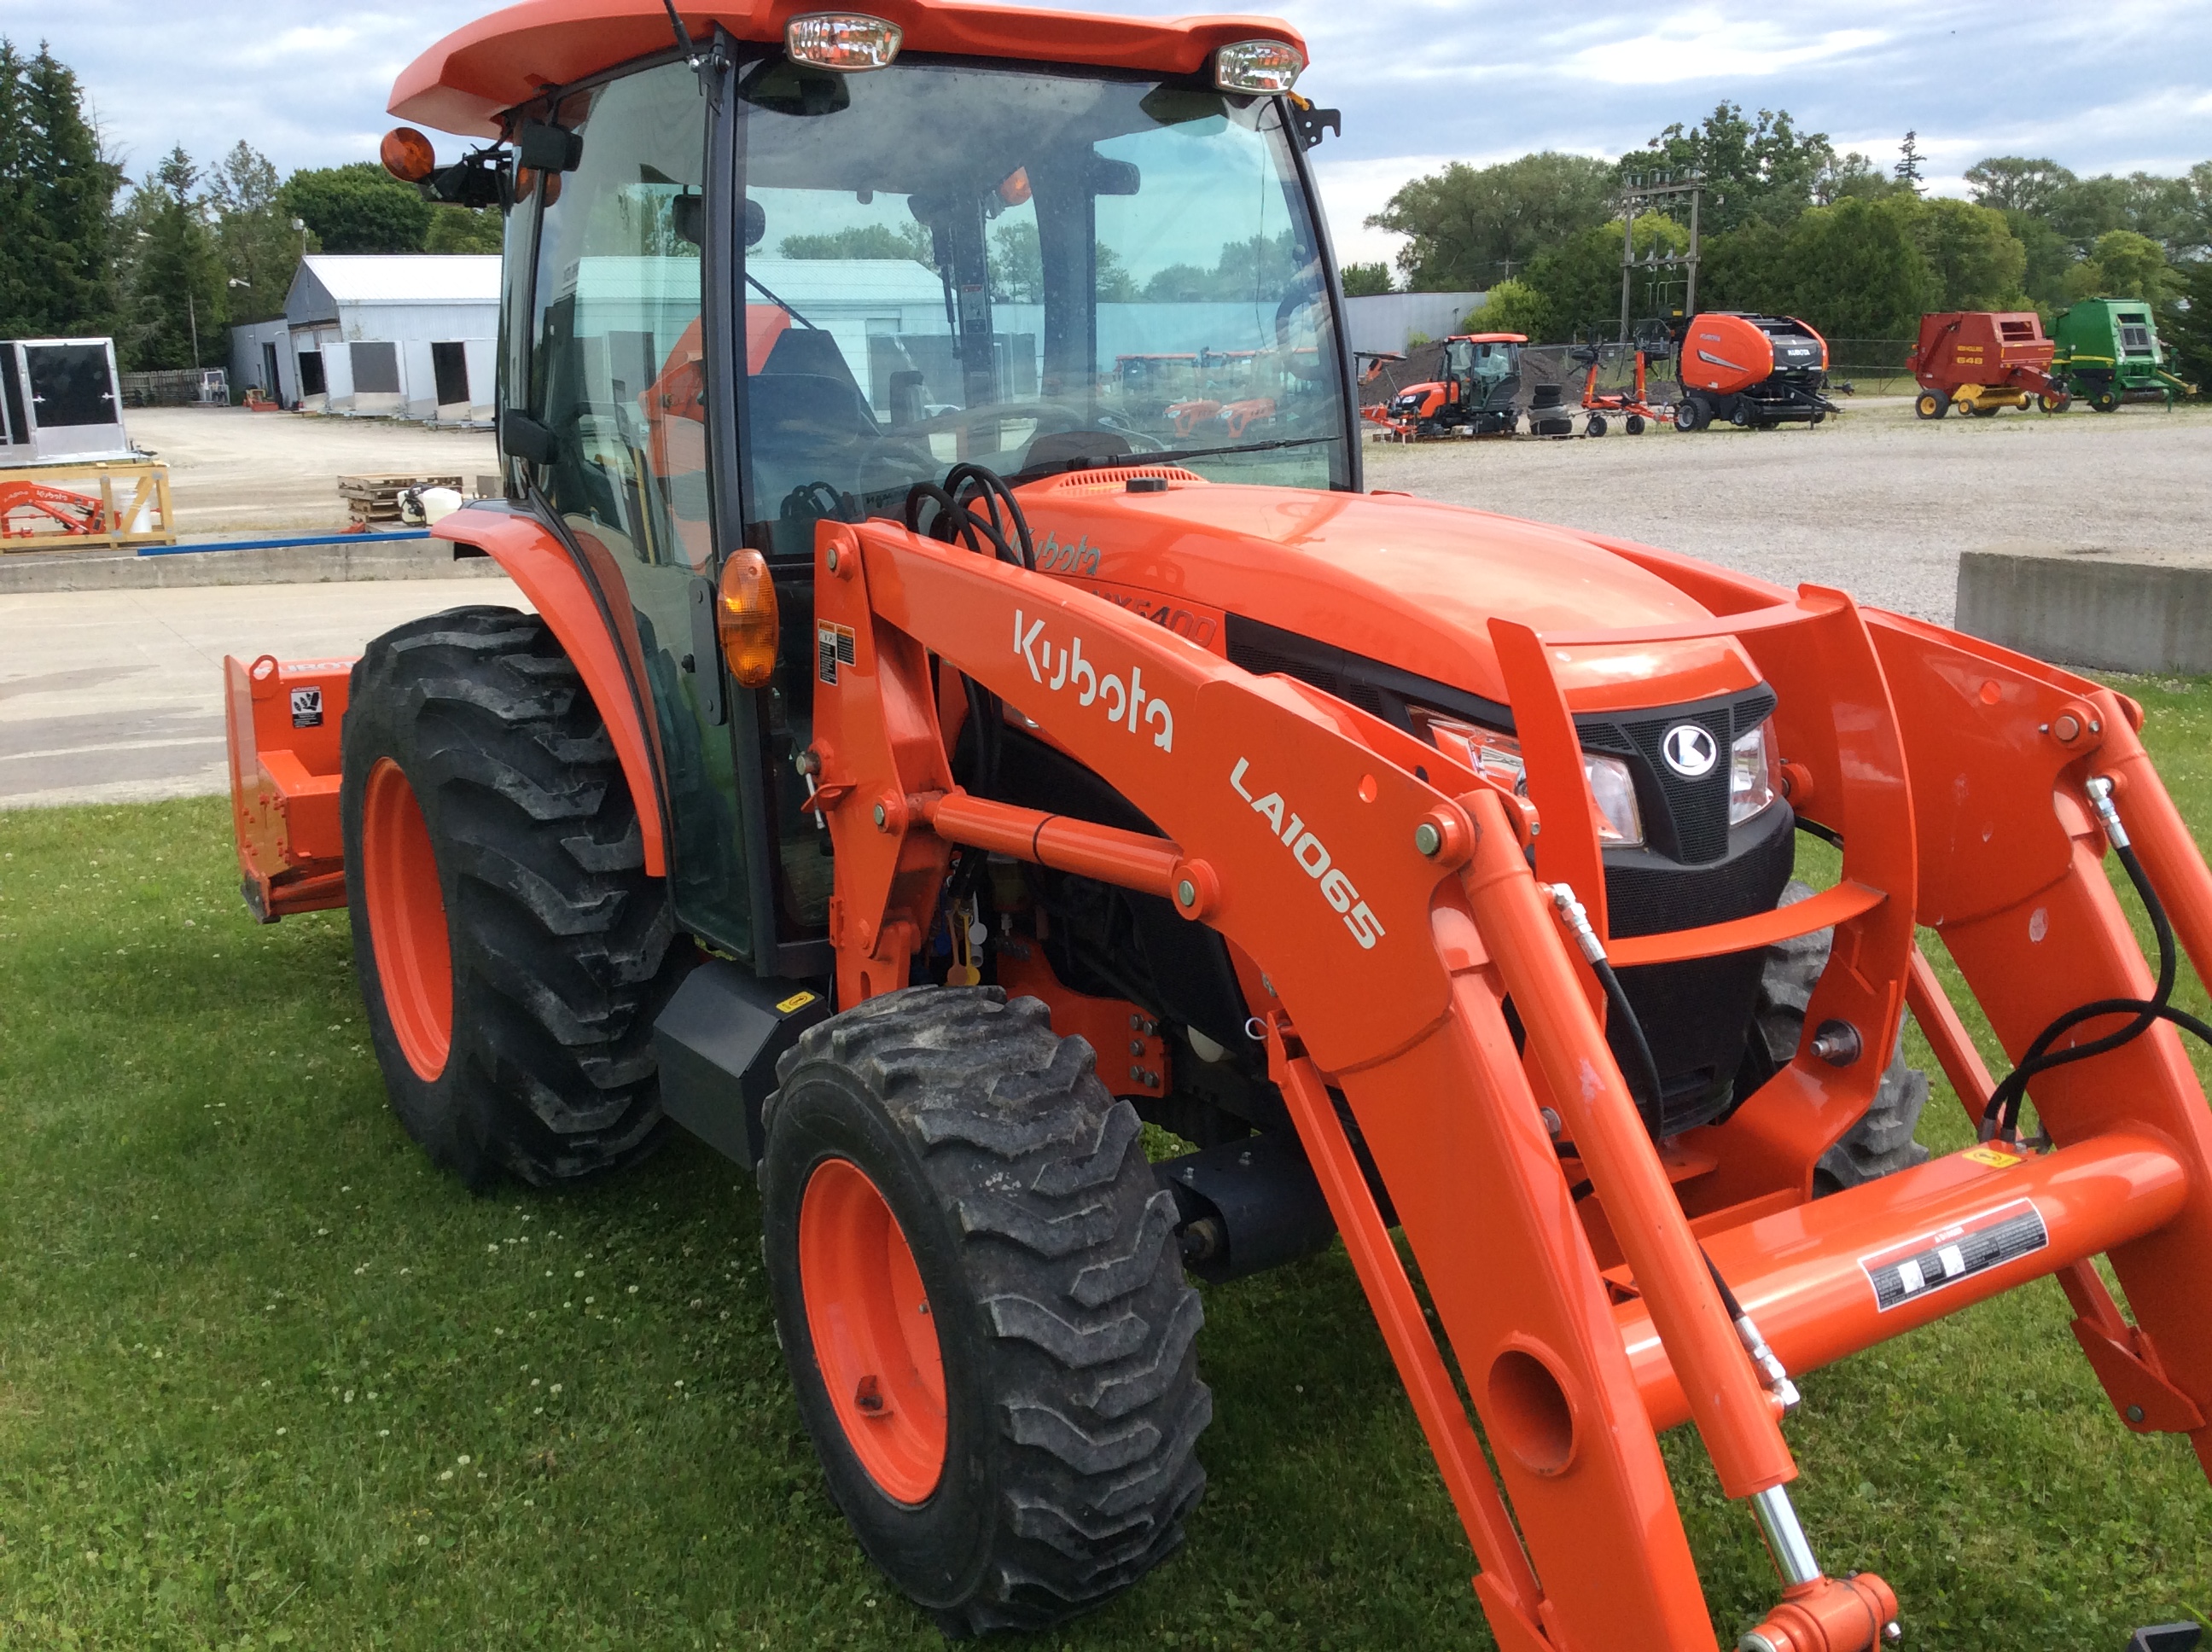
(268, 1380)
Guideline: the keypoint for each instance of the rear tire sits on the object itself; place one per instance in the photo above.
(512, 951)
(1930, 404)
(1881, 1142)
(1064, 1329)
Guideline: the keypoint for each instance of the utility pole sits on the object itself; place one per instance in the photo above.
(1640, 189)
(192, 315)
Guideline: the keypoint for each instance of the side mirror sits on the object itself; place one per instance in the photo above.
(1110, 177)
(687, 216)
(539, 146)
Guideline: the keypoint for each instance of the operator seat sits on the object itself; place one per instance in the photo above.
(809, 422)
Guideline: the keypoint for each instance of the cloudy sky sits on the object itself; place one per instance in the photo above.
(2116, 86)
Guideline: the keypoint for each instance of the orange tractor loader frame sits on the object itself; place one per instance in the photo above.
(1291, 819)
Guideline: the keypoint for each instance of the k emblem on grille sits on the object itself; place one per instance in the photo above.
(1691, 750)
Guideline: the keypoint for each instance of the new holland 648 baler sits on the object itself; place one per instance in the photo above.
(912, 829)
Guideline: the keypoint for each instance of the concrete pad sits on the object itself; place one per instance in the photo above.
(260, 474)
(117, 695)
(2133, 611)
(92, 570)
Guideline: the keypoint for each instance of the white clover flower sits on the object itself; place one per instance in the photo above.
(462, 1460)
(445, 1474)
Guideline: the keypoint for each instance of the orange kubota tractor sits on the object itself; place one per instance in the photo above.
(924, 765)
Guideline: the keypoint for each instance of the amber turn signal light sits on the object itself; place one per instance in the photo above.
(746, 618)
(407, 154)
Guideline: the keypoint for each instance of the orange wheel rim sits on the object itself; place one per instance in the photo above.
(407, 920)
(875, 1339)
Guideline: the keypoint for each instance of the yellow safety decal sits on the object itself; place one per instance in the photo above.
(796, 1001)
(1995, 1158)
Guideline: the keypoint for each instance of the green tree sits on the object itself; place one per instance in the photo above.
(1852, 177)
(1365, 280)
(2048, 256)
(1759, 168)
(1907, 169)
(909, 240)
(254, 233)
(359, 208)
(1469, 225)
(1855, 270)
(1977, 261)
(2186, 328)
(1115, 283)
(175, 308)
(2122, 264)
(2013, 182)
(1579, 280)
(1017, 264)
(2085, 208)
(464, 229)
(57, 189)
(1747, 268)
(1510, 306)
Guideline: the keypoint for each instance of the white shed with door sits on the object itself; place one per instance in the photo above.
(400, 336)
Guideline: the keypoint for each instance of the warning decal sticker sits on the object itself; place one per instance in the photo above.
(307, 707)
(834, 647)
(1906, 1273)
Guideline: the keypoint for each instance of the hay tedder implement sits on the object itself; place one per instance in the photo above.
(926, 763)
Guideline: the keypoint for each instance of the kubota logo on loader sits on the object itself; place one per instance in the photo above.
(1313, 859)
(1064, 666)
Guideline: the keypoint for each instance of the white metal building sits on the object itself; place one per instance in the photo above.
(1386, 321)
(401, 335)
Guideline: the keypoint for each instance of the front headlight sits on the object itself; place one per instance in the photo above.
(1753, 782)
(1498, 755)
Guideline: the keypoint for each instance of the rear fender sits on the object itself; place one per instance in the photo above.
(538, 563)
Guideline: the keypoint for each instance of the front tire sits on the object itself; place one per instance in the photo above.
(511, 951)
(1045, 1460)
(1881, 1142)
(1930, 404)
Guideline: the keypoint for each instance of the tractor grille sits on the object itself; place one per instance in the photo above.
(1694, 870)
(1692, 823)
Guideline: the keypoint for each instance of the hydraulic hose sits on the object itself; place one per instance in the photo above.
(1645, 1085)
(2002, 1116)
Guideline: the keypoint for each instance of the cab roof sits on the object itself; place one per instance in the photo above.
(466, 81)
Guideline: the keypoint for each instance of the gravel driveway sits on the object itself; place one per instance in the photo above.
(1876, 502)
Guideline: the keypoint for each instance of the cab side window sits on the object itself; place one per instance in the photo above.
(616, 370)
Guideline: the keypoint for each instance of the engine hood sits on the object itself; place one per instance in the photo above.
(1397, 579)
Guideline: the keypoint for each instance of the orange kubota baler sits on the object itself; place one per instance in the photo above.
(928, 759)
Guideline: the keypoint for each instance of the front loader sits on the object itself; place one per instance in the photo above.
(925, 763)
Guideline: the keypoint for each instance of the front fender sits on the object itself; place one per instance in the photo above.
(537, 561)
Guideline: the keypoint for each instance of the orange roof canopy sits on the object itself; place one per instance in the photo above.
(468, 80)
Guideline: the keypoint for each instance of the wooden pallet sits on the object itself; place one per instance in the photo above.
(373, 499)
(124, 503)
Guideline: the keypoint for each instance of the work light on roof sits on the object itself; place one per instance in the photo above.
(846, 42)
(1258, 66)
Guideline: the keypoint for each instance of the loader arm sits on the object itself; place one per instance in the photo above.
(1303, 843)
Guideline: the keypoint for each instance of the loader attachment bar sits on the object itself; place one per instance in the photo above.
(1394, 920)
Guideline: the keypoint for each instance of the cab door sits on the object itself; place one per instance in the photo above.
(617, 384)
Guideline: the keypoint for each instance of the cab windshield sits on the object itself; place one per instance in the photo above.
(1028, 270)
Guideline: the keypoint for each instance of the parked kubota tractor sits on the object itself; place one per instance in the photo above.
(911, 785)
(1754, 371)
(1479, 394)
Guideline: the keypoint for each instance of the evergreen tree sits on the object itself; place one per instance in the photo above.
(2187, 332)
(56, 193)
(176, 306)
(253, 234)
(1908, 162)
